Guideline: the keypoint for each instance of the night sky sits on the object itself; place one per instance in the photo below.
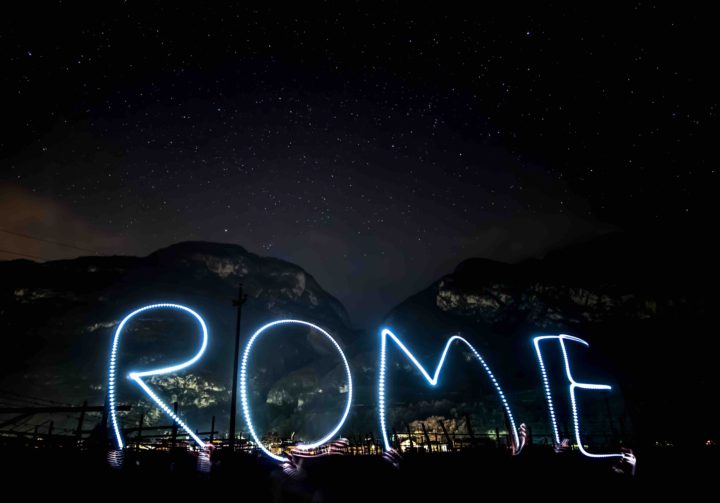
(376, 146)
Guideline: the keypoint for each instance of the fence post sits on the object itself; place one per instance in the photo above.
(50, 434)
(174, 428)
(451, 446)
(140, 429)
(470, 429)
(427, 437)
(410, 436)
(78, 432)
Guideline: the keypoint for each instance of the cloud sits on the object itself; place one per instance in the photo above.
(35, 225)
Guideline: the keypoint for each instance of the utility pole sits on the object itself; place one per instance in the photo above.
(233, 400)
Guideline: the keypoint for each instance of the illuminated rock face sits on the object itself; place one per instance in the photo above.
(550, 302)
(609, 280)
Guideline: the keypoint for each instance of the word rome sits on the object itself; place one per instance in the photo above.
(387, 336)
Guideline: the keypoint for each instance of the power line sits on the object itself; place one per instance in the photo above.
(50, 241)
(23, 255)
(28, 397)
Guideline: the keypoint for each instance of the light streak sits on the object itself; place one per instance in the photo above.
(573, 385)
(243, 387)
(137, 376)
(433, 380)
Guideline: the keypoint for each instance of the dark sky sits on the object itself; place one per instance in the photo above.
(375, 146)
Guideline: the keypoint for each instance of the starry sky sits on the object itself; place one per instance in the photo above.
(375, 146)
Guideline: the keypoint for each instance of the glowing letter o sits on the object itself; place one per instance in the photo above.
(243, 387)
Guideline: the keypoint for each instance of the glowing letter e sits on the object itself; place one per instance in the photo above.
(137, 376)
(573, 385)
(244, 395)
(434, 379)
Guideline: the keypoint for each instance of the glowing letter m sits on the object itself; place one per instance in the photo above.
(433, 380)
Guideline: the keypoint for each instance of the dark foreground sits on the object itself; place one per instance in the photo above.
(463, 476)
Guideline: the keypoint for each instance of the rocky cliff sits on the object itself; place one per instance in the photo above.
(57, 320)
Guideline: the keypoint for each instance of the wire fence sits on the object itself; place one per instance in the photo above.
(32, 422)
